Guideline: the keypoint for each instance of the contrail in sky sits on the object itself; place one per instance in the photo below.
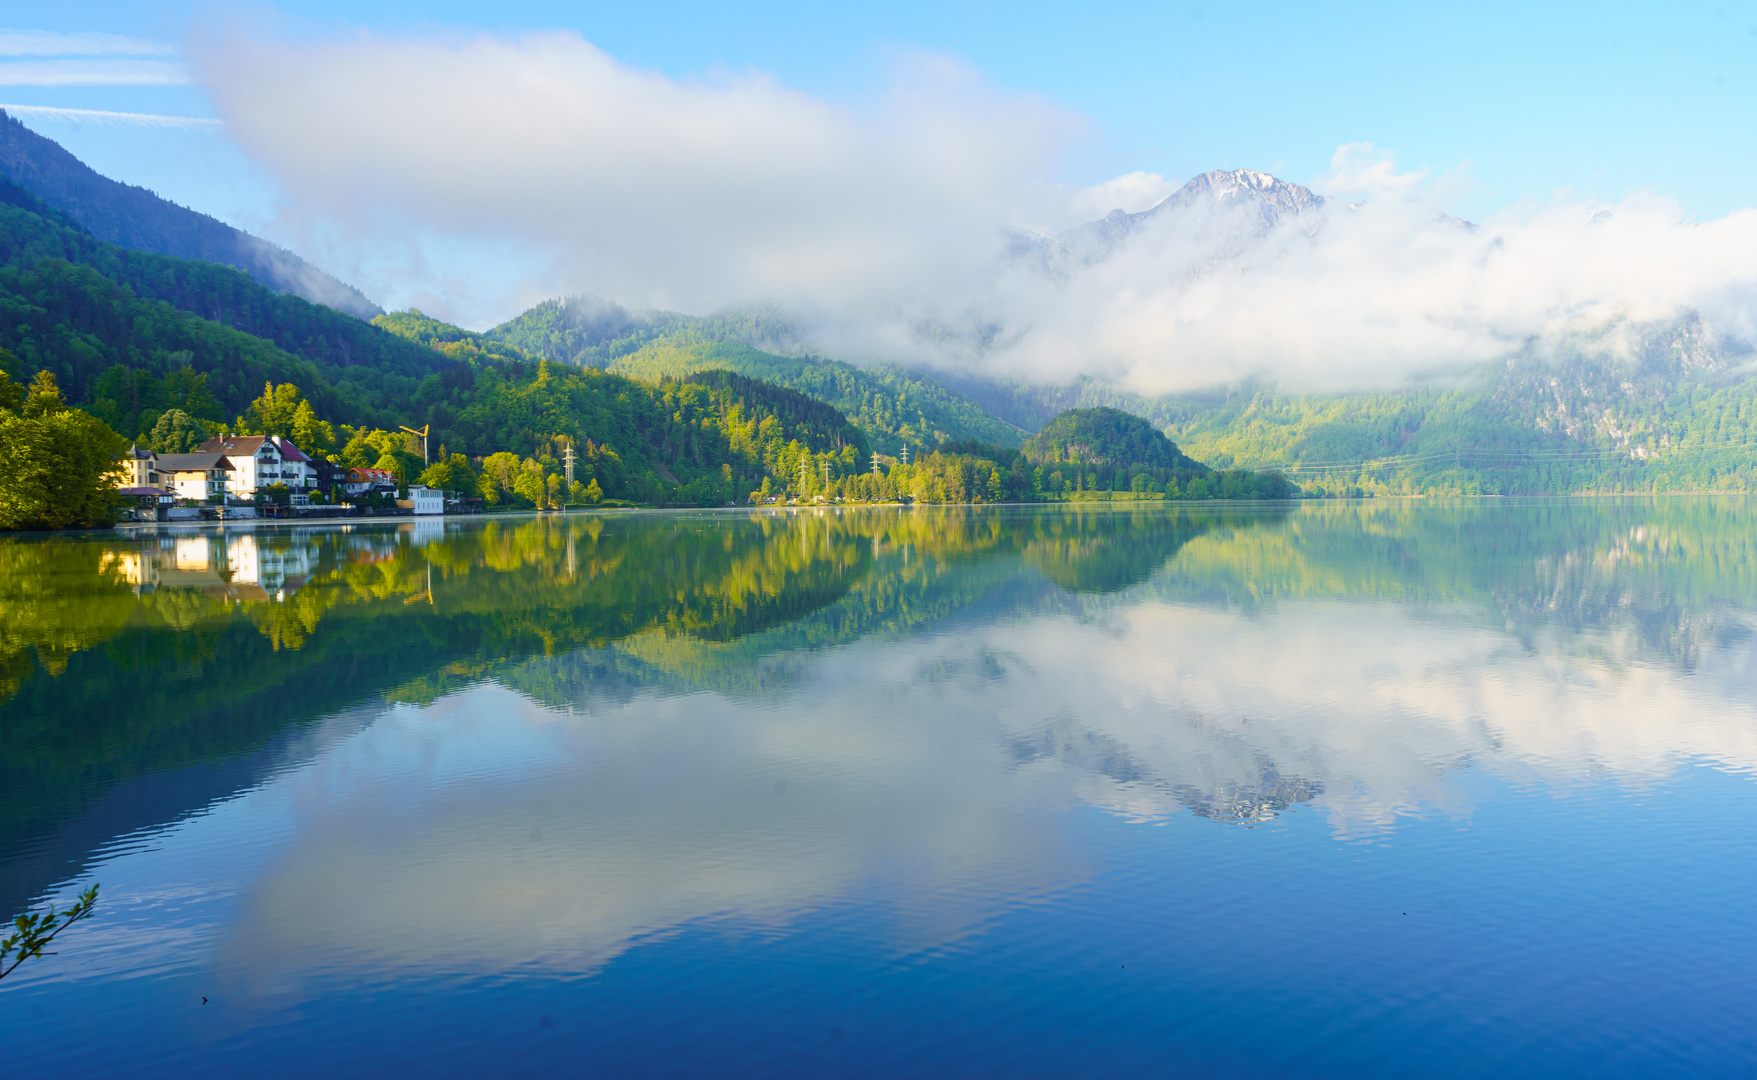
(102, 116)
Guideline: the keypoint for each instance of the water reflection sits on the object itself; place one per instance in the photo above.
(922, 683)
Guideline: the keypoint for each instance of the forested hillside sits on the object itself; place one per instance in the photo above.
(78, 306)
(1678, 412)
(682, 441)
(138, 220)
(451, 341)
(1105, 436)
(896, 407)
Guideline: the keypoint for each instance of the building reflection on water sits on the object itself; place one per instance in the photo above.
(246, 566)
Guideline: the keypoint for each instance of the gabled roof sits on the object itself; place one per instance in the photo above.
(200, 462)
(290, 452)
(140, 455)
(250, 445)
(240, 445)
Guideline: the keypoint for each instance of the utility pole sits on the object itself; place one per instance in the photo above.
(875, 463)
(568, 456)
(905, 456)
(804, 472)
(826, 476)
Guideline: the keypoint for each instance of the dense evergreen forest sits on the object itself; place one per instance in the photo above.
(138, 220)
(1625, 409)
(78, 306)
(897, 407)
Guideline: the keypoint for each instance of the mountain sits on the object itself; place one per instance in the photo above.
(1106, 436)
(895, 406)
(593, 332)
(452, 341)
(79, 305)
(1660, 407)
(1240, 201)
(135, 218)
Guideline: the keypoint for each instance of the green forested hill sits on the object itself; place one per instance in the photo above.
(31, 231)
(1679, 413)
(135, 219)
(79, 325)
(452, 341)
(1105, 436)
(895, 406)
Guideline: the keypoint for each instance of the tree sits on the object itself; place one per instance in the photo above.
(438, 475)
(557, 490)
(593, 492)
(176, 433)
(58, 466)
(44, 398)
(310, 434)
(32, 933)
(274, 413)
(11, 394)
(528, 485)
(500, 470)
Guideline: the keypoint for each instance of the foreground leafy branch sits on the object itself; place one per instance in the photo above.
(32, 932)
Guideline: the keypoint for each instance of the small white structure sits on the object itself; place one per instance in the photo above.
(424, 500)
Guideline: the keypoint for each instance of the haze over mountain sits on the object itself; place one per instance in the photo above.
(137, 219)
(1239, 201)
(891, 229)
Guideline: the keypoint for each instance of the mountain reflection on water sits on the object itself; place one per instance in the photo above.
(508, 746)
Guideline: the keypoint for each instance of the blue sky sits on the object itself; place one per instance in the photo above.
(854, 160)
(1600, 99)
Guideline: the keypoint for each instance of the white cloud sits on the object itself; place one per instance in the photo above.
(52, 43)
(1379, 291)
(1360, 170)
(651, 189)
(92, 73)
(1130, 193)
(577, 173)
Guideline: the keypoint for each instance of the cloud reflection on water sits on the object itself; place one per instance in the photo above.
(487, 833)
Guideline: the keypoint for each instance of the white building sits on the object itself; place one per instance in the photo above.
(262, 461)
(194, 476)
(424, 500)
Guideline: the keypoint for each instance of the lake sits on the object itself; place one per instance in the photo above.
(1371, 788)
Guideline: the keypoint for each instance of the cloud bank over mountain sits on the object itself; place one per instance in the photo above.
(916, 227)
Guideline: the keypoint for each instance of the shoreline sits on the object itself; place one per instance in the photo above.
(253, 524)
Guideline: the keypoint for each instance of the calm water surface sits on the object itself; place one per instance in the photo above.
(1361, 789)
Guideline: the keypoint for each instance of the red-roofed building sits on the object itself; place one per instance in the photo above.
(368, 480)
